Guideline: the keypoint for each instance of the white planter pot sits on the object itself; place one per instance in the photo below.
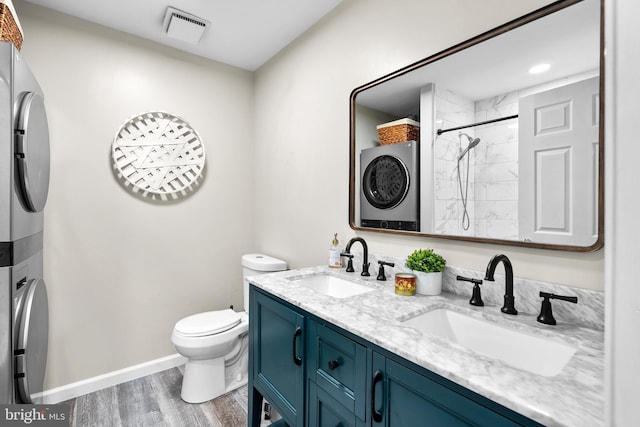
(428, 283)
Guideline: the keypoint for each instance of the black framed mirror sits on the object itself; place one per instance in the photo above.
(499, 138)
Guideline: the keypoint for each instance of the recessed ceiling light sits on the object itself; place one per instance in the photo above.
(540, 68)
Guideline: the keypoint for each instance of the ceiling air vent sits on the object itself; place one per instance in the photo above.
(184, 26)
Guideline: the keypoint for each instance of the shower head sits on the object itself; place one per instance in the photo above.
(472, 143)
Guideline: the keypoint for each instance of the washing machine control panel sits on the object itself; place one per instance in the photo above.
(392, 225)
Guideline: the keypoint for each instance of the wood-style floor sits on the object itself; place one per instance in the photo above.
(155, 401)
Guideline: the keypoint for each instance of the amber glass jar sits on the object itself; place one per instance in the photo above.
(405, 284)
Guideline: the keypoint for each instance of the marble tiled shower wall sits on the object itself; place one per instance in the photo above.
(496, 169)
(493, 169)
(451, 111)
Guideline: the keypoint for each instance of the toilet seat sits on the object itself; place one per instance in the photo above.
(208, 323)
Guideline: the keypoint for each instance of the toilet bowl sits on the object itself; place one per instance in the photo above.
(215, 343)
(210, 341)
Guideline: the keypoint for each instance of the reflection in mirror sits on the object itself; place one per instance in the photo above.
(497, 139)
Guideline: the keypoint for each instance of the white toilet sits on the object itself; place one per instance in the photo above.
(216, 342)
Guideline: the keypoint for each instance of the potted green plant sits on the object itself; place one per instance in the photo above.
(428, 266)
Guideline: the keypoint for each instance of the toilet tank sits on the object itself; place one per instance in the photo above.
(254, 264)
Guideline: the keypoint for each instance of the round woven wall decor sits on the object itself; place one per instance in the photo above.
(158, 153)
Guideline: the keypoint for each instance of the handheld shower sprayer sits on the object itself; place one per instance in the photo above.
(464, 194)
(472, 143)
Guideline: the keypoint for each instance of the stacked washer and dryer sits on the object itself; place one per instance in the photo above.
(24, 185)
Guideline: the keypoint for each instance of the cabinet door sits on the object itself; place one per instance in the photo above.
(401, 397)
(277, 339)
(325, 411)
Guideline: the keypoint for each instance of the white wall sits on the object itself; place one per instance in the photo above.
(302, 132)
(622, 309)
(120, 270)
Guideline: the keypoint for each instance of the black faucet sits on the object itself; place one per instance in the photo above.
(508, 306)
(365, 255)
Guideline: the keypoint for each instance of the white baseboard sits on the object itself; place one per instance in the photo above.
(70, 391)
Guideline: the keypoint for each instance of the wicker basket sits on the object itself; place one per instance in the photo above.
(399, 131)
(9, 27)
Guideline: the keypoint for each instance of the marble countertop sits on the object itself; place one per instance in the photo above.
(575, 397)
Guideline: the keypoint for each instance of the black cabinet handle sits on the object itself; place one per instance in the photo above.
(333, 364)
(376, 415)
(297, 360)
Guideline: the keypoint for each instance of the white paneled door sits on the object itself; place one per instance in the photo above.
(558, 165)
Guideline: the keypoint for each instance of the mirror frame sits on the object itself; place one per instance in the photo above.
(525, 19)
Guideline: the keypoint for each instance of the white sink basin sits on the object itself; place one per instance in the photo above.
(538, 355)
(332, 286)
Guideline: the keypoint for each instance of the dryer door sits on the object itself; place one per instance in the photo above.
(32, 333)
(385, 182)
(32, 152)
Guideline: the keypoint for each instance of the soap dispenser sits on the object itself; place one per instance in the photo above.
(335, 260)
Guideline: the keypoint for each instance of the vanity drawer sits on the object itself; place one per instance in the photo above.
(338, 366)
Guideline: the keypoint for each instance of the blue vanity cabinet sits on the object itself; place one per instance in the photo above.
(404, 397)
(276, 359)
(317, 374)
(337, 374)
